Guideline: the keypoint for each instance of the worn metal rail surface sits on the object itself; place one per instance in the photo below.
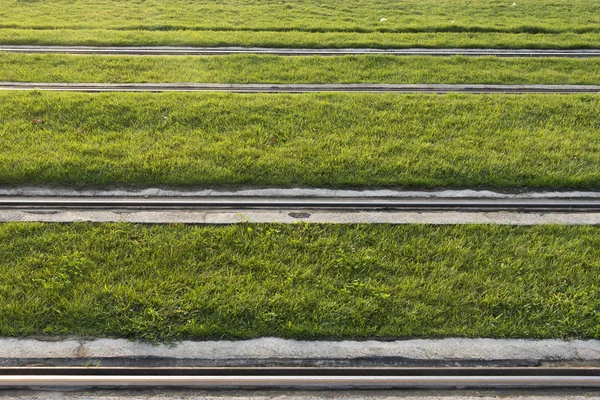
(274, 203)
(210, 51)
(301, 378)
(298, 88)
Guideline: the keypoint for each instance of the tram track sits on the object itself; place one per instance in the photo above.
(301, 378)
(300, 88)
(274, 203)
(212, 51)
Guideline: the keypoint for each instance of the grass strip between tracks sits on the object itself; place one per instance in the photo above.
(299, 281)
(314, 69)
(318, 140)
(105, 37)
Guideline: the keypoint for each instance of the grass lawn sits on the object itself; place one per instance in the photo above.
(533, 16)
(273, 69)
(296, 39)
(322, 140)
(228, 22)
(299, 281)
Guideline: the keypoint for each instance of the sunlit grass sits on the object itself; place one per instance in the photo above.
(299, 281)
(307, 23)
(273, 69)
(105, 37)
(532, 16)
(325, 140)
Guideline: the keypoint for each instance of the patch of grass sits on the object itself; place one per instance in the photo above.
(303, 23)
(299, 281)
(105, 37)
(532, 16)
(273, 69)
(325, 140)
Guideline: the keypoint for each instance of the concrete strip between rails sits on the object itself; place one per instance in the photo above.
(300, 88)
(210, 51)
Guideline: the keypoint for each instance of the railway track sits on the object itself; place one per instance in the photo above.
(210, 51)
(300, 378)
(315, 204)
(299, 88)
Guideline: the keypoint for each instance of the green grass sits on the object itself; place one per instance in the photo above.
(299, 281)
(354, 21)
(532, 16)
(105, 37)
(325, 140)
(273, 69)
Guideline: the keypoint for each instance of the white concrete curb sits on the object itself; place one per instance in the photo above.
(293, 192)
(274, 348)
(287, 217)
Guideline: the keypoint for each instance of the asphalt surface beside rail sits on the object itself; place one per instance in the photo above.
(207, 51)
(299, 88)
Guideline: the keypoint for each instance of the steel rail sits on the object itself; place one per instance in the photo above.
(302, 371)
(262, 203)
(311, 378)
(299, 88)
(210, 51)
(302, 382)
